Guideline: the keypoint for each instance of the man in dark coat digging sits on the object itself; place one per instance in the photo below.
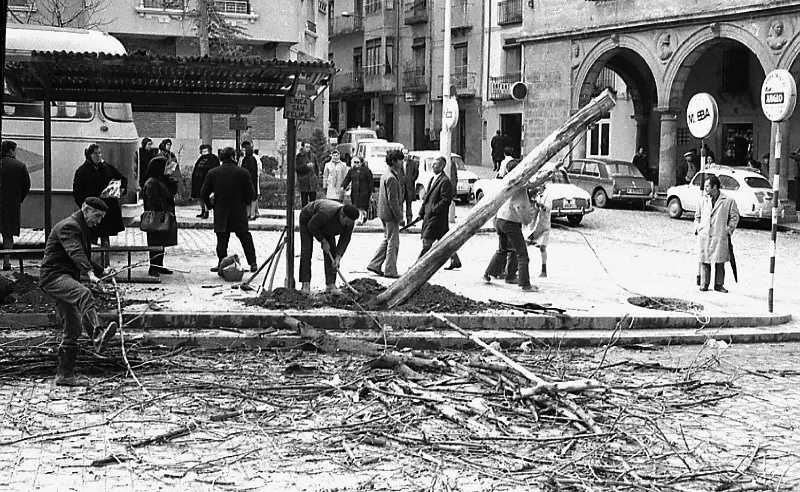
(435, 211)
(323, 220)
(233, 192)
(67, 256)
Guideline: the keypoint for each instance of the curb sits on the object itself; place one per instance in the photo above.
(410, 321)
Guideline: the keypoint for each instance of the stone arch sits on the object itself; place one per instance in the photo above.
(791, 54)
(596, 58)
(692, 49)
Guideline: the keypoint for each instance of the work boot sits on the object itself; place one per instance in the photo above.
(65, 372)
(453, 265)
(720, 288)
(253, 267)
(306, 288)
(103, 337)
(544, 272)
(332, 289)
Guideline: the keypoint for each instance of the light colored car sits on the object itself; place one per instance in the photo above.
(372, 151)
(566, 199)
(608, 180)
(348, 141)
(425, 160)
(751, 191)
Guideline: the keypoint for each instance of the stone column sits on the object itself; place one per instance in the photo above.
(667, 169)
(788, 165)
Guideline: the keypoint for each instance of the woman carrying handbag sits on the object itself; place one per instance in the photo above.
(159, 216)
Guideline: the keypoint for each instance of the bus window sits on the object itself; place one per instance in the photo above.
(118, 111)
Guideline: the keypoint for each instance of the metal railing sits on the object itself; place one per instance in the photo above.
(509, 12)
(346, 82)
(164, 4)
(414, 79)
(345, 24)
(500, 87)
(233, 6)
(322, 6)
(464, 83)
(416, 12)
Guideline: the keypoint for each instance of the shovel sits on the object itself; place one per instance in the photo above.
(410, 224)
(246, 285)
(346, 283)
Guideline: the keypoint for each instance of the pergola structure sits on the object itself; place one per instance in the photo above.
(169, 84)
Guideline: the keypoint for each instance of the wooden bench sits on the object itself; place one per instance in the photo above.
(38, 253)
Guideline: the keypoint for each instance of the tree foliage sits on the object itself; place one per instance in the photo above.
(76, 14)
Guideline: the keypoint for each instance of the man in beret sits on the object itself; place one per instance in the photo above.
(67, 256)
(323, 220)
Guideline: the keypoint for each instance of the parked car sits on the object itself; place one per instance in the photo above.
(348, 141)
(751, 191)
(566, 199)
(372, 151)
(609, 180)
(426, 158)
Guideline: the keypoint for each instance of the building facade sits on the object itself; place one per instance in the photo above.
(282, 30)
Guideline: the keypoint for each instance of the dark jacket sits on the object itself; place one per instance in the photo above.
(411, 174)
(250, 163)
(204, 164)
(15, 183)
(306, 174)
(322, 218)
(233, 192)
(143, 157)
(91, 180)
(362, 185)
(68, 250)
(497, 144)
(435, 207)
(158, 197)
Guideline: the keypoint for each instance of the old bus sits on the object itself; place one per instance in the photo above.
(74, 125)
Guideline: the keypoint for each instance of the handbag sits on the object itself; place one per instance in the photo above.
(372, 210)
(157, 221)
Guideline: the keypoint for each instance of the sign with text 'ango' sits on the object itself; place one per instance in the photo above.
(778, 95)
(702, 115)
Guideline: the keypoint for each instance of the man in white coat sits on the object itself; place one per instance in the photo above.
(333, 177)
(714, 223)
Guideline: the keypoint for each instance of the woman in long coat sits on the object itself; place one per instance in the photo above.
(159, 195)
(362, 185)
(206, 162)
(143, 156)
(91, 178)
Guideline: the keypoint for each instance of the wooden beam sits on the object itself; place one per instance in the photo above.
(429, 264)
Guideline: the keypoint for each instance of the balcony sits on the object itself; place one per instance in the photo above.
(179, 5)
(379, 78)
(463, 83)
(345, 24)
(414, 80)
(416, 12)
(322, 6)
(509, 12)
(375, 6)
(500, 87)
(347, 83)
(232, 6)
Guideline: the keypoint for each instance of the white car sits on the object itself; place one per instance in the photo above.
(425, 160)
(349, 139)
(751, 191)
(372, 151)
(566, 199)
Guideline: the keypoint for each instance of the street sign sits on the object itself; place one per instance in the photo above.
(237, 123)
(778, 95)
(702, 115)
(298, 108)
(450, 113)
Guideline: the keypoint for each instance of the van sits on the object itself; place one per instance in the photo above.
(348, 141)
(372, 151)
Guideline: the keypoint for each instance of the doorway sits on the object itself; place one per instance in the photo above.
(511, 126)
(419, 139)
(388, 123)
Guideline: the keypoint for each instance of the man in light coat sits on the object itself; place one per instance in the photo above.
(391, 214)
(714, 223)
(333, 177)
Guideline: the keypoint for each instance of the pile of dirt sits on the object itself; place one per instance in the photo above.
(22, 295)
(428, 298)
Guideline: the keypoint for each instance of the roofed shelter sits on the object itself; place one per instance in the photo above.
(169, 84)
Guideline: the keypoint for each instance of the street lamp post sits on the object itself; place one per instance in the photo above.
(445, 134)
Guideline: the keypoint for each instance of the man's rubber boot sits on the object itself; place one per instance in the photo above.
(65, 372)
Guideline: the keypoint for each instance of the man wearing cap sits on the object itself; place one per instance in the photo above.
(323, 220)
(692, 160)
(67, 256)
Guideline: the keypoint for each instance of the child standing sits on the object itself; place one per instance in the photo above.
(538, 232)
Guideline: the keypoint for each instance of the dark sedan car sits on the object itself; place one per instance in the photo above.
(609, 180)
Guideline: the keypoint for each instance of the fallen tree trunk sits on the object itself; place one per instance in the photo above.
(423, 270)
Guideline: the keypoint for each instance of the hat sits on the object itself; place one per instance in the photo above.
(96, 203)
(689, 154)
(350, 211)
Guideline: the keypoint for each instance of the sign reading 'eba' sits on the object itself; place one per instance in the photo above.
(778, 95)
(702, 115)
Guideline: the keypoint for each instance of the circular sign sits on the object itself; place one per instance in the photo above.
(702, 115)
(519, 91)
(778, 95)
(450, 113)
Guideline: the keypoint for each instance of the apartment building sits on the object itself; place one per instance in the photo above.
(283, 30)
(663, 53)
(390, 53)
